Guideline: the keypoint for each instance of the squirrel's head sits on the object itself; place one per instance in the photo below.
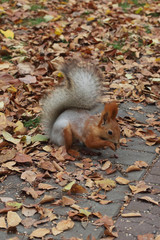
(109, 124)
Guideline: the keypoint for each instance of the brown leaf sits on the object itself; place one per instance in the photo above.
(65, 225)
(132, 168)
(141, 164)
(104, 220)
(28, 79)
(39, 233)
(8, 155)
(47, 165)
(3, 222)
(31, 191)
(147, 236)
(76, 188)
(28, 176)
(140, 187)
(105, 202)
(28, 212)
(45, 186)
(47, 198)
(13, 219)
(23, 158)
(106, 184)
(122, 180)
(106, 165)
(149, 199)
(66, 201)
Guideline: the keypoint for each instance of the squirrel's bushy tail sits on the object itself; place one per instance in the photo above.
(81, 91)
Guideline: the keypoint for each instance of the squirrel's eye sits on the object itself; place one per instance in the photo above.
(110, 132)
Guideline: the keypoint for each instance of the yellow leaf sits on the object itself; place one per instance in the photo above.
(140, 9)
(58, 31)
(2, 10)
(12, 89)
(108, 11)
(8, 33)
(69, 186)
(85, 212)
(90, 19)
(60, 74)
(20, 127)
(56, 18)
(7, 136)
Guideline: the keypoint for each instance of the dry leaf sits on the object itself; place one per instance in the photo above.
(13, 219)
(106, 184)
(23, 158)
(106, 165)
(122, 180)
(141, 164)
(39, 233)
(147, 236)
(3, 222)
(47, 198)
(28, 212)
(28, 176)
(149, 199)
(65, 225)
(45, 186)
(132, 168)
(66, 201)
(140, 187)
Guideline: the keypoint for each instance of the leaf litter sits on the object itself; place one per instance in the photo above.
(124, 43)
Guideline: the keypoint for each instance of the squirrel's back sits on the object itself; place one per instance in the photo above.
(81, 91)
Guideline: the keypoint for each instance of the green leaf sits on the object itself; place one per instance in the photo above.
(39, 138)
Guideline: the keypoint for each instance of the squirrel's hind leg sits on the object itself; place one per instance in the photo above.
(68, 137)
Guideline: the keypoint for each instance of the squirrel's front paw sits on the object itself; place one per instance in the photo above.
(112, 146)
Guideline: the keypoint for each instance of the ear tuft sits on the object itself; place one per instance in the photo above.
(111, 109)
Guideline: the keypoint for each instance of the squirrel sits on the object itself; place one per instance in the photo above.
(67, 113)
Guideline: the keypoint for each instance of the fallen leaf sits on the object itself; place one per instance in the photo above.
(66, 201)
(28, 176)
(8, 33)
(7, 136)
(47, 198)
(106, 165)
(28, 212)
(122, 180)
(132, 168)
(69, 186)
(65, 225)
(28, 79)
(31, 191)
(76, 188)
(85, 212)
(147, 236)
(23, 158)
(39, 233)
(45, 186)
(3, 222)
(141, 164)
(13, 219)
(148, 199)
(106, 184)
(140, 187)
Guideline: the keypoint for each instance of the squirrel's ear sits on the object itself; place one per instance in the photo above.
(112, 109)
(110, 112)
